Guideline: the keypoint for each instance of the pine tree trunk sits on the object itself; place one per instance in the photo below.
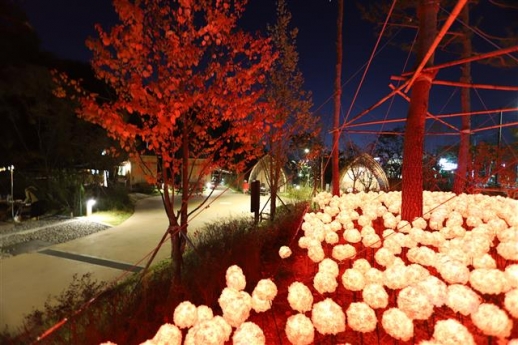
(337, 97)
(459, 184)
(412, 184)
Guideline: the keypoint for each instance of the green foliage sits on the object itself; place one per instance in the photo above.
(113, 197)
(300, 194)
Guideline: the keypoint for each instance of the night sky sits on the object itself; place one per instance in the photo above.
(64, 25)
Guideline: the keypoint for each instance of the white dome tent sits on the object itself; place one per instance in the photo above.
(363, 173)
(261, 172)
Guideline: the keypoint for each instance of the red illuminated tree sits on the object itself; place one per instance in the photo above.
(187, 86)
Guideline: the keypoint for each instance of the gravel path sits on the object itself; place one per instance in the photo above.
(33, 235)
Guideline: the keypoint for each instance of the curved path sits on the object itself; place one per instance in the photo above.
(27, 280)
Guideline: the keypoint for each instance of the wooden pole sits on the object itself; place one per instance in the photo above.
(337, 101)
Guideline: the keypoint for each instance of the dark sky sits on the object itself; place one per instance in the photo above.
(64, 25)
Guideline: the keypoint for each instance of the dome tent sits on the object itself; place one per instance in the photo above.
(261, 172)
(363, 173)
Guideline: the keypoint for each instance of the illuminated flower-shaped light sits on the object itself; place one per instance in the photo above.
(203, 313)
(316, 253)
(260, 305)
(454, 219)
(361, 265)
(417, 234)
(394, 276)
(452, 231)
(483, 231)
(168, 334)
(325, 217)
(328, 265)
(397, 324)
(508, 250)
(375, 296)
(394, 207)
(343, 251)
(364, 220)
(354, 215)
(331, 237)
(484, 261)
(235, 278)
(408, 242)
(361, 317)
(435, 289)
(248, 333)
(185, 315)
(335, 225)
(473, 221)
(511, 274)
(462, 299)
(404, 226)
(452, 271)
(367, 230)
(328, 317)
(352, 236)
(324, 282)
(353, 279)
(304, 242)
(415, 273)
(316, 232)
(511, 302)
(225, 327)
(454, 252)
(299, 330)
(384, 256)
(488, 281)
(284, 252)
(381, 211)
(393, 243)
(265, 289)
(371, 241)
(419, 223)
(492, 320)
(452, 332)
(414, 301)
(389, 220)
(422, 255)
(495, 223)
(235, 305)
(300, 297)
(208, 332)
(508, 235)
(475, 247)
(373, 276)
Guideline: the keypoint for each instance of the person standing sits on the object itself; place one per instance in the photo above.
(32, 200)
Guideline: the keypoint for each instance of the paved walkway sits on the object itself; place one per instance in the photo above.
(27, 280)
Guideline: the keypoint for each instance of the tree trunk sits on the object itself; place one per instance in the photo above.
(412, 184)
(178, 241)
(337, 98)
(275, 168)
(459, 184)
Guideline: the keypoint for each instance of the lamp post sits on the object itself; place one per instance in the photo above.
(11, 168)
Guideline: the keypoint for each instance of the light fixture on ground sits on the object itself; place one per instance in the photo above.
(89, 204)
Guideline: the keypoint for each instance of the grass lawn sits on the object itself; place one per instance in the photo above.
(112, 218)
